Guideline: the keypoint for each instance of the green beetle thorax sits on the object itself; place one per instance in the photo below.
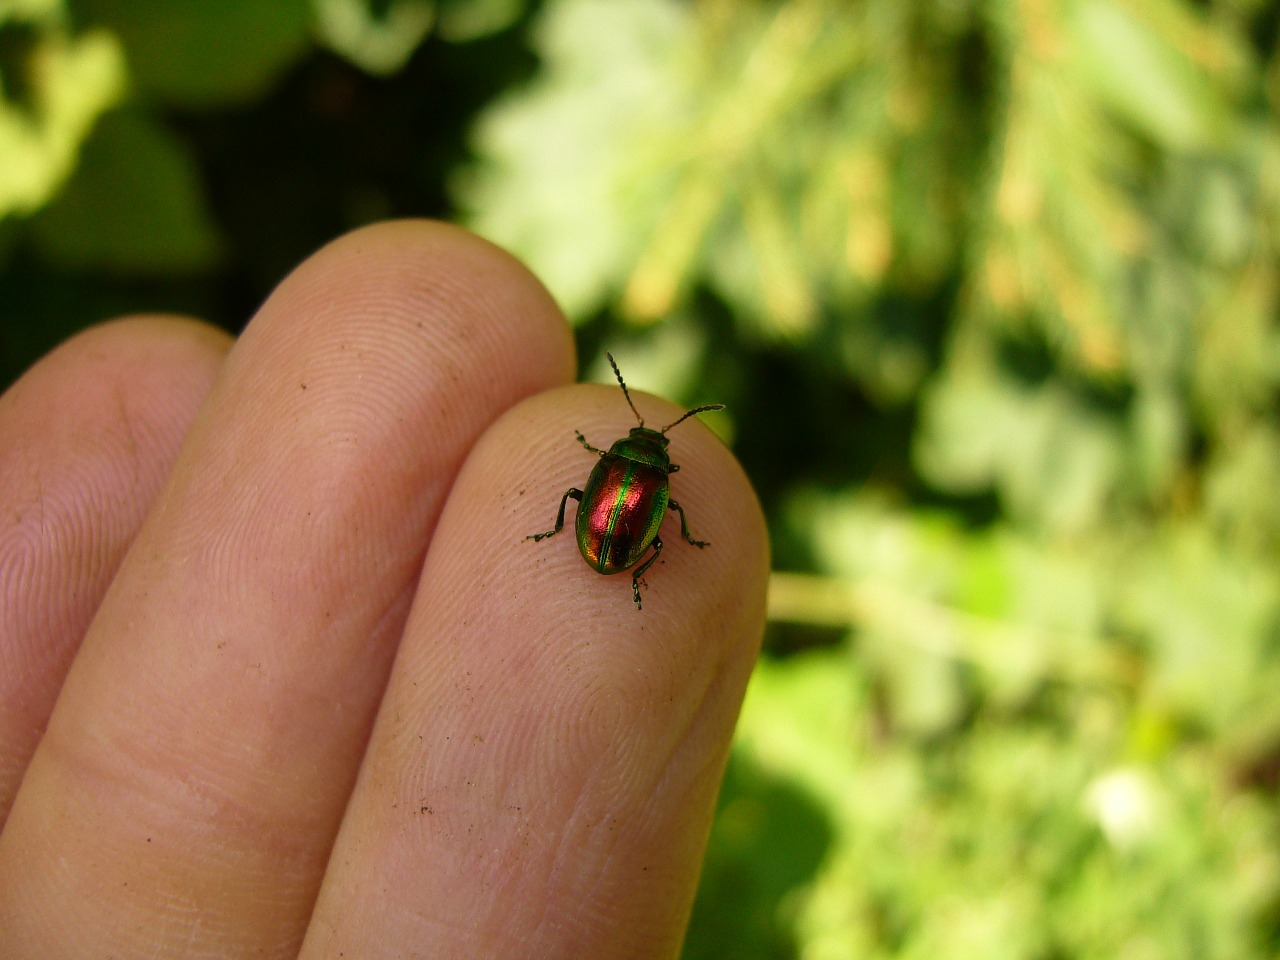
(644, 446)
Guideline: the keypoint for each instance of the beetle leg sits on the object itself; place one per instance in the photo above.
(636, 574)
(684, 525)
(571, 492)
(583, 440)
(675, 468)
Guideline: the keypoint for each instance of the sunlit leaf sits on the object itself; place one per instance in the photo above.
(378, 42)
(552, 190)
(71, 81)
(463, 20)
(1148, 83)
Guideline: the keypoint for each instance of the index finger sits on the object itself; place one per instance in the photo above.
(542, 774)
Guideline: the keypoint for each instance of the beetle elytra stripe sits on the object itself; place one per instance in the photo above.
(619, 502)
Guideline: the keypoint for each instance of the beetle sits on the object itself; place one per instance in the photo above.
(626, 496)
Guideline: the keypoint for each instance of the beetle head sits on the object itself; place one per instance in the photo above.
(649, 436)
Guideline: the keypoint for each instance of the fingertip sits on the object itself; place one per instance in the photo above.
(398, 273)
(86, 438)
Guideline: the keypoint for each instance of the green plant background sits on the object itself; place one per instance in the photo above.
(990, 288)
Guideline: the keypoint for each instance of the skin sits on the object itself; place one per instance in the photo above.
(279, 675)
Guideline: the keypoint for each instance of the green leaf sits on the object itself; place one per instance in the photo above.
(558, 185)
(1144, 80)
(78, 78)
(769, 838)
(1054, 460)
(380, 42)
(464, 20)
(135, 205)
(1207, 615)
(204, 52)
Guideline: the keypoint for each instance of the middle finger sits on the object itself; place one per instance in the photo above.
(186, 794)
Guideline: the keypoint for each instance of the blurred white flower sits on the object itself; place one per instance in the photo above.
(1124, 803)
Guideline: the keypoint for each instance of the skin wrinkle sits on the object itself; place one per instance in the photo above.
(567, 851)
(576, 814)
(127, 421)
(196, 901)
(20, 557)
(143, 782)
(594, 821)
(40, 501)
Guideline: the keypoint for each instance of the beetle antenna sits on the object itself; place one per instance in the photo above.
(625, 392)
(690, 413)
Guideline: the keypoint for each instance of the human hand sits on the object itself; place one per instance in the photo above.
(315, 694)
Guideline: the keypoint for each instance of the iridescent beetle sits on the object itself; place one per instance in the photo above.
(625, 499)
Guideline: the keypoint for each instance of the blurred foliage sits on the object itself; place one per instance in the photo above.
(183, 155)
(990, 287)
(1023, 254)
